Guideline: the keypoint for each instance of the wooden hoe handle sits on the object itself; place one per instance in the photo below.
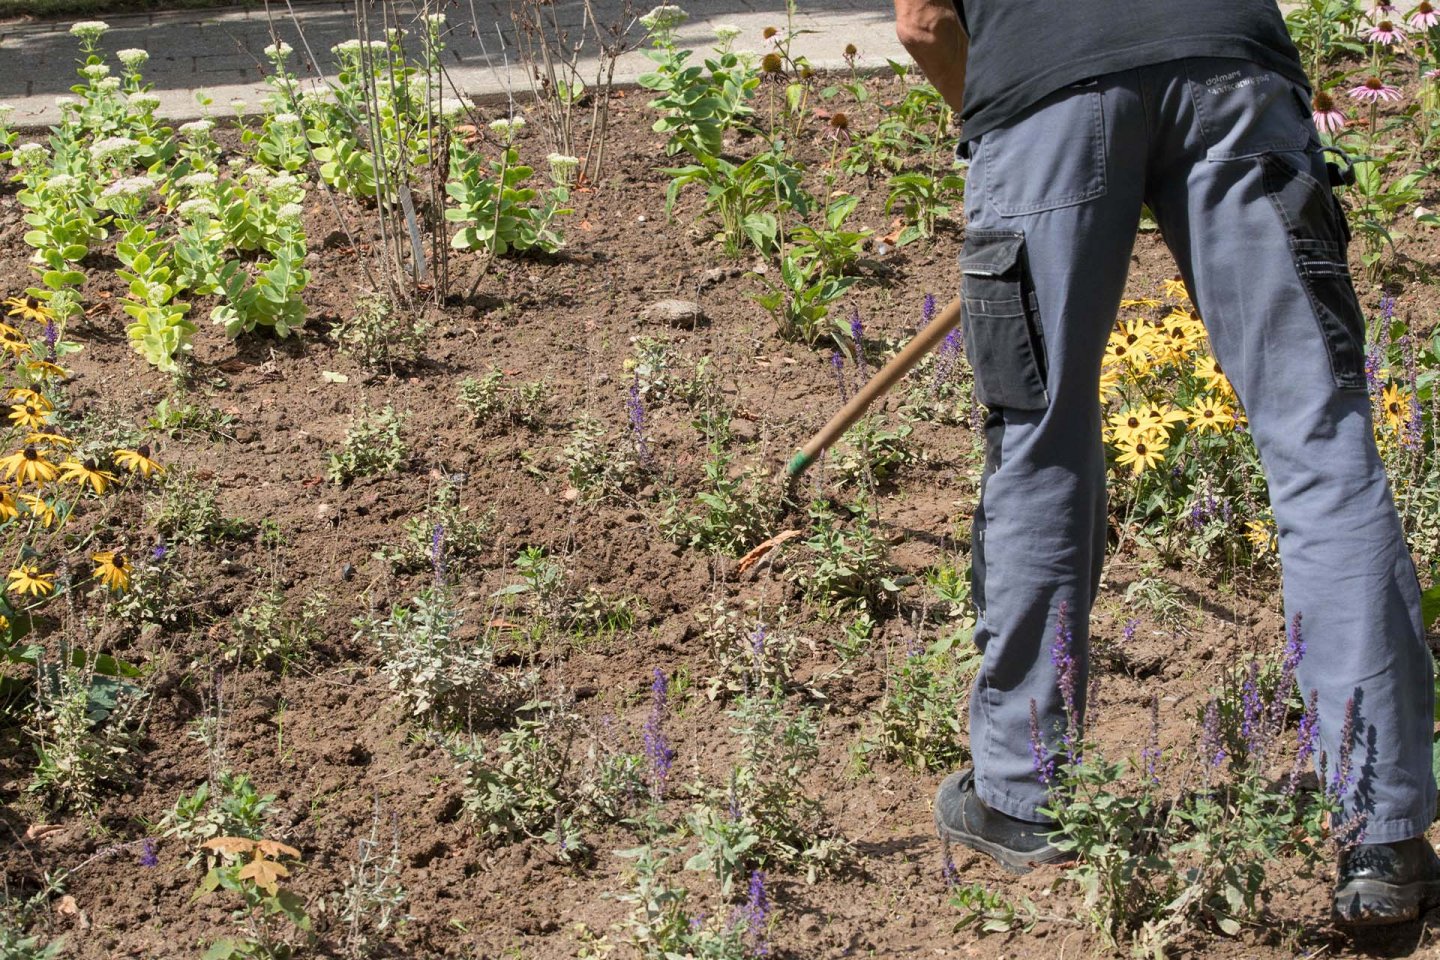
(890, 374)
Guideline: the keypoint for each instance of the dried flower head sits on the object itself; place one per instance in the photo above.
(772, 64)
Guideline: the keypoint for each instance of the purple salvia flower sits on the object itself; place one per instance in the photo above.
(1344, 777)
(1128, 633)
(437, 553)
(1210, 739)
(1151, 752)
(1251, 710)
(948, 874)
(757, 644)
(148, 857)
(756, 915)
(1040, 757)
(950, 349)
(52, 337)
(837, 363)
(1063, 660)
(857, 336)
(1289, 663)
(159, 552)
(1305, 739)
(635, 411)
(1387, 309)
(927, 311)
(657, 746)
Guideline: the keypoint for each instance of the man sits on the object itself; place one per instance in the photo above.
(1074, 116)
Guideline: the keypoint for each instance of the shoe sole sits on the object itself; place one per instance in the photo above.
(1014, 861)
(1374, 903)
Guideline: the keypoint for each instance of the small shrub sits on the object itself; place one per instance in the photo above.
(382, 334)
(83, 732)
(920, 722)
(228, 807)
(263, 631)
(187, 510)
(446, 532)
(373, 445)
(851, 569)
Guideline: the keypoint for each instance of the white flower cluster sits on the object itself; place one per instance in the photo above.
(451, 107)
(144, 101)
(133, 58)
(129, 188)
(435, 19)
(278, 51)
(113, 148)
(726, 34)
(6, 109)
(285, 188)
(664, 18)
(107, 84)
(355, 47)
(197, 129)
(94, 71)
(562, 167)
(63, 183)
(290, 214)
(509, 129)
(285, 120)
(89, 29)
(197, 181)
(196, 209)
(28, 156)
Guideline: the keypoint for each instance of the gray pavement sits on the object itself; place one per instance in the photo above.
(219, 50)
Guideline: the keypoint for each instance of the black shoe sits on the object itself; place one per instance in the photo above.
(1381, 883)
(1018, 845)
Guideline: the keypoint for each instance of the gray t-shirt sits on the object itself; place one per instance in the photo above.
(1021, 50)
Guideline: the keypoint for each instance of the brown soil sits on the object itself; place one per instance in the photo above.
(326, 737)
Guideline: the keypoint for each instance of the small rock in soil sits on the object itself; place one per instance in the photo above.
(675, 312)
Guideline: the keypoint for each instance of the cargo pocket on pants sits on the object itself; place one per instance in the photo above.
(1319, 237)
(1001, 322)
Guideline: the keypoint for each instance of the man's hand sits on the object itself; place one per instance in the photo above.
(930, 31)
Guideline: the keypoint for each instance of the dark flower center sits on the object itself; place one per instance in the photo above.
(1374, 83)
(30, 453)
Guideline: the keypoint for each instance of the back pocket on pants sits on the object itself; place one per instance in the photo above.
(1001, 322)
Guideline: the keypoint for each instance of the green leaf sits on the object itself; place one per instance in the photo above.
(1430, 605)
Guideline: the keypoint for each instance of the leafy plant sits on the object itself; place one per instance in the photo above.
(266, 907)
(382, 334)
(698, 104)
(800, 301)
(923, 199)
(373, 445)
(498, 212)
(747, 198)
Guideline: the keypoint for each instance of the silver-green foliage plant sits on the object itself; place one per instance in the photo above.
(920, 722)
(381, 333)
(441, 675)
(373, 445)
(498, 211)
(82, 729)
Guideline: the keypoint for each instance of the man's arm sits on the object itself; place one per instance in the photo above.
(930, 31)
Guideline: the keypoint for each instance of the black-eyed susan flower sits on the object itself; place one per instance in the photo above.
(16, 345)
(1142, 452)
(137, 461)
(1210, 415)
(1261, 535)
(8, 509)
(8, 331)
(28, 579)
(28, 465)
(1161, 417)
(29, 416)
(1140, 302)
(112, 569)
(1175, 287)
(46, 369)
(1208, 370)
(46, 438)
(40, 508)
(1124, 425)
(28, 308)
(31, 396)
(86, 471)
(1394, 406)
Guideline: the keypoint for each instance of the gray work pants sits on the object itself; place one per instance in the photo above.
(1225, 154)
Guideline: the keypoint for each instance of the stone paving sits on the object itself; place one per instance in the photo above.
(218, 51)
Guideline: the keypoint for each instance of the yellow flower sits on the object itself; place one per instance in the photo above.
(1261, 535)
(1211, 415)
(1142, 452)
(1145, 302)
(1208, 369)
(1125, 425)
(8, 510)
(1395, 405)
(1109, 384)
(28, 465)
(27, 578)
(46, 438)
(31, 396)
(1135, 332)
(86, 471)
(112, 569)
(16, 346)
(1175, 287)
(29, 308)
(29, 416)
(1117, 351)
(1161, 417)
(45, 368)
(40, 508)
(138, 461)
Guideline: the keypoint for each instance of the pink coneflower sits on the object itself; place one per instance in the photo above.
(1424, 16)
(1432, 74)
(1374, 89)
(1382, 10)
(1386, 32)
(1328, 117)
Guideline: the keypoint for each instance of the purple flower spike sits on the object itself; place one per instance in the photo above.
(927, 311)
(657, 745)
(635, 411)
(1151, 752)
(837, 363)
(756, 915)
(437, 553)
(1040, 757)
(148, 857)
(1210, 739)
